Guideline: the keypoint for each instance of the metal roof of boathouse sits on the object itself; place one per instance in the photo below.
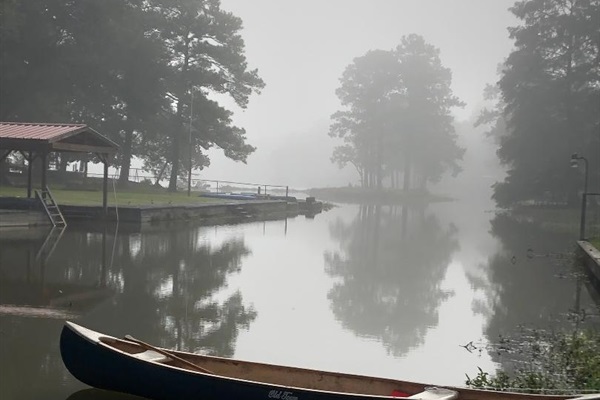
(32, 136)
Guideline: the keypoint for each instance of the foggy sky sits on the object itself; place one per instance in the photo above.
(301, 49)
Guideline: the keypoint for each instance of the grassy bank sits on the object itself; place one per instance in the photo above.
(136, 196)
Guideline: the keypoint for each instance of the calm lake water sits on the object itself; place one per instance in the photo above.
(385, 291)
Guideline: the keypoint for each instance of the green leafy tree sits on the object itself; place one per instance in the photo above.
(551, 90)
(211, 126)
(123, 82)
(142, 69)
(206, 55)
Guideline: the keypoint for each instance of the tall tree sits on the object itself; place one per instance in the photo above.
(366, 87)
(551, 90)
(210, 125)
(141, 76)
(123, 83)
(429, 145)
(206, 54)
(33, 83)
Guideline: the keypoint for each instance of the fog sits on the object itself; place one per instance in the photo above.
(301, 49)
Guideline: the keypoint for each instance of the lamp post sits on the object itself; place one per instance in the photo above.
(575, 163)
(189, 182)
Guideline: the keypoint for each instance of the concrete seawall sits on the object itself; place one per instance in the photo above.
(238, 210)
(22, 218)
(181, 212)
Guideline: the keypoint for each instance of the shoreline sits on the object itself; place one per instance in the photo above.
(22, 214)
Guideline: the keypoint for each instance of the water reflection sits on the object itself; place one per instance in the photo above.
(30, 363)
(390, 268)
(97, 394)
(528, 278)
(375, 290)
(534, 282)
(29, 287)
(168, 287)
(171, 282)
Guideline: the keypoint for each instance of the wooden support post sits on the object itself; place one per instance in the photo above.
(29, 172)
(44, 172)
(104, 158)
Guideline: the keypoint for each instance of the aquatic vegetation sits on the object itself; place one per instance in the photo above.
(544, 361)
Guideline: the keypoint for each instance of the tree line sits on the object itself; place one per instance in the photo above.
(396, 119)
(142, 72)
(547, 102)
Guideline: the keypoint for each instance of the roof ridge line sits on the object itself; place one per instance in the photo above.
(40, 123)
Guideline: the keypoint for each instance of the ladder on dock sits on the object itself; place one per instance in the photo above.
(51, 208)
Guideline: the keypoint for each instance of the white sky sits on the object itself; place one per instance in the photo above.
(301, 49)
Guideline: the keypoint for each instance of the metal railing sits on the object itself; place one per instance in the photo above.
(199, 184)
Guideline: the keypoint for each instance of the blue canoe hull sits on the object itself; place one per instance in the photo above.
(96, 365)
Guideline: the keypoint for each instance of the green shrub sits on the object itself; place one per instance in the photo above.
(547, 361)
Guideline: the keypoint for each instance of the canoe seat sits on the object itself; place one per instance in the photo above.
(151, 355)
(435, 394)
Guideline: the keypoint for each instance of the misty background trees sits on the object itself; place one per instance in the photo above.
(133, 70)
(397, 120)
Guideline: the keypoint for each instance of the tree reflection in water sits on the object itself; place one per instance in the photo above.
(168, 287)
(534, 282)
(390, 268)
(173, 289)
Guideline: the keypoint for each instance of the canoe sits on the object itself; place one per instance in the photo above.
(132, 366)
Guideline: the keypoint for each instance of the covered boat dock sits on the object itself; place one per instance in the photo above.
(38, 140)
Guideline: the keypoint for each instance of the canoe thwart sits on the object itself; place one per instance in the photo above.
(151, 355)
(168, 354)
